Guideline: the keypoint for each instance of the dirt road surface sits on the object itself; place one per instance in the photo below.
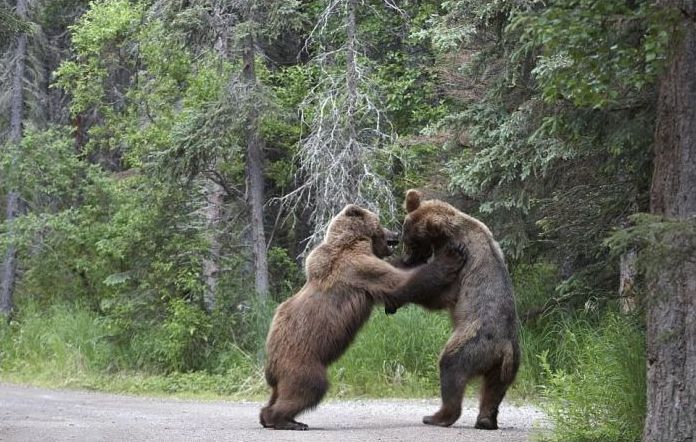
(34, 414)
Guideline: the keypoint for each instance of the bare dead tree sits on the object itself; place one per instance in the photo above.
(339, 159)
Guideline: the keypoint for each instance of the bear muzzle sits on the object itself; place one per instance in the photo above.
(392, 240)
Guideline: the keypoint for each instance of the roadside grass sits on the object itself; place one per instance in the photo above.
(393, 356)
(69, 346)
(585, 369)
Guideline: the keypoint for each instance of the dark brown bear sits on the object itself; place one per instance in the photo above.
(345, 278)
(485, 341)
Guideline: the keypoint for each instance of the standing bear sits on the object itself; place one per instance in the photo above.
(485, 338)
(345, 278)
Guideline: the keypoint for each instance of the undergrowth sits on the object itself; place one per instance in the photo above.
(601, 394)
(585, 369)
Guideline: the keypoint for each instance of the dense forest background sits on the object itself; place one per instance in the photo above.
(165, 165)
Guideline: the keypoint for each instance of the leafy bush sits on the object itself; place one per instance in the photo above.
(179, 343)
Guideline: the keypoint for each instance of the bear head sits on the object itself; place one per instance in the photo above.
(428, 225)
(354, 224)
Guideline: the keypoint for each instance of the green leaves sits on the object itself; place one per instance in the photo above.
(10, 25)
(659, 241)
(117, 278)
(592, 53)
(44, 168)
(105, 22)
(101, 40)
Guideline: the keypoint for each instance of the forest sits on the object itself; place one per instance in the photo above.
(165, 166)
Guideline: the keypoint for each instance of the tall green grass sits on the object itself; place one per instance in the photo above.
(534, 285)
(601, 395)
(393, 355)
(70, 346)
(61, 342)
(586, 369)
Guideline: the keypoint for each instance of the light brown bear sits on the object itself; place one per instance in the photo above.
(345, 278)
(485, 338)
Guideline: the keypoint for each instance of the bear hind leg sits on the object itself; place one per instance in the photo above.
(492, 393)
(453, 380)
(264, 417)
(281, 421)
(293, 398)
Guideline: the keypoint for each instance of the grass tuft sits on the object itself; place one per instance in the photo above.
(601, 396)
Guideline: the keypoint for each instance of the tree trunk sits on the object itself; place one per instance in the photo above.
(213, 210)
(9, 265)
(671, 306)
(627, 281)
(254, 177)
(214, 192)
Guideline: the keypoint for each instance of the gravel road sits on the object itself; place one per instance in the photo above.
(34, 414)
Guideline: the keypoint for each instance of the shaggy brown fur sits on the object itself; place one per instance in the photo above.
(485, 341)
(345, 278)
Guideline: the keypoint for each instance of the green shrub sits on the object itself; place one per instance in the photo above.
(588, 366)
(534, 284)
(285, 275)
(253, 321)
(179, 343)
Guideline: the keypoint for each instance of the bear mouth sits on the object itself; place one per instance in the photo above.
(391, 245)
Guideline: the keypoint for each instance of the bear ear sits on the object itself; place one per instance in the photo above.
(413, 200)
(353, 210)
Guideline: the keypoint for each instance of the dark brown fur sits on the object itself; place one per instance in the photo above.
(485, 338)
(313, 328)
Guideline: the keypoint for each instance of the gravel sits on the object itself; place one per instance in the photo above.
(35, 414)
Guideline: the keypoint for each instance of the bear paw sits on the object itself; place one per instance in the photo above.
(293, 425)
(486, 423)
(439, 420)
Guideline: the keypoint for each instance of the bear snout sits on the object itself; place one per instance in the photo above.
(392, 238)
